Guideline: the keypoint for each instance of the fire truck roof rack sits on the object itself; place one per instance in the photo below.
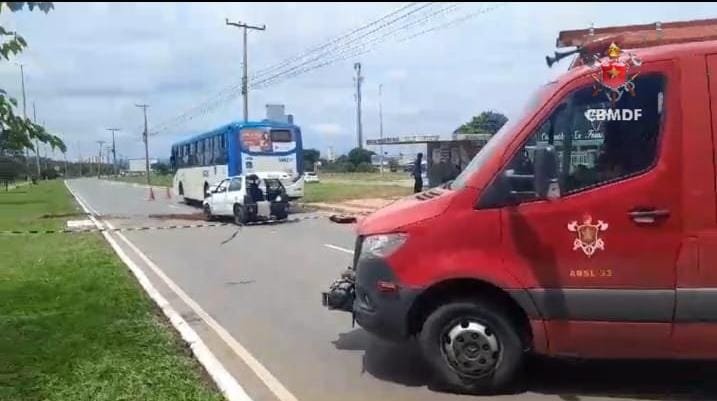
(596, 40)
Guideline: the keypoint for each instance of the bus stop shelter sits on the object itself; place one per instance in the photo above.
(445, 158)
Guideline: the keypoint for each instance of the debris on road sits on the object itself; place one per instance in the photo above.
(342, 218)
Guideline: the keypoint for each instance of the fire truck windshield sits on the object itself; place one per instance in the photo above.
(502, 137)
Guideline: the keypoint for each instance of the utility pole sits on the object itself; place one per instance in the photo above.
(37, 143)
(244, 78)
(99, 158)
(114, 150)
(145, 135)
(359, 80)
(380, 125)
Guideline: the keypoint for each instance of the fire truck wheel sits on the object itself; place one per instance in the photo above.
(473, 347)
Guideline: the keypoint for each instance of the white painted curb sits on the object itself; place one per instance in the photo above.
(223, 379)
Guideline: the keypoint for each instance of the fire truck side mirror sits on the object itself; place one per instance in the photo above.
(546, 172)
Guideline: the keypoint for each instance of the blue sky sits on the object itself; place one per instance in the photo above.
(87, 65)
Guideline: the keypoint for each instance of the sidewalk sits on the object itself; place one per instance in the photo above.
(354, 207)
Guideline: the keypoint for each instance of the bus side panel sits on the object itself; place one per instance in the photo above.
(299, 152)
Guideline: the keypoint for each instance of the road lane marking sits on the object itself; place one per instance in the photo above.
(338, 248)
(269, 380)
(224, 380)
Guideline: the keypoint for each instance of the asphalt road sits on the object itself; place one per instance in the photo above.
(262, 283)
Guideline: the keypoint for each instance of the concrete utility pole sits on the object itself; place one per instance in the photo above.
(114, 150)
(99, 158)
(145, 135)
(359, 80)
(244, 78)
(380, 125)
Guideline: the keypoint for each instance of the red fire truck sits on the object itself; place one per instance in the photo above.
(586, 228)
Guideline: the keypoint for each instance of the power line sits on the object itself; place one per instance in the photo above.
(331, 42)
(229, 92)
(333, 53)
(351, 51)
(336, 44)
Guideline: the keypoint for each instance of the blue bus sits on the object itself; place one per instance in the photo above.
(268, 147)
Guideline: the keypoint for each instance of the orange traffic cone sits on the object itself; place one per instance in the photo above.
(169, 193)
(151, 194)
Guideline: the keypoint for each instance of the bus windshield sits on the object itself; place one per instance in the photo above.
(265, 140)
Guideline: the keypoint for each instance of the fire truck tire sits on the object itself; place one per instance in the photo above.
(473, 347)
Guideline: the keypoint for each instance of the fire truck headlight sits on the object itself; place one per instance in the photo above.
(382, 245)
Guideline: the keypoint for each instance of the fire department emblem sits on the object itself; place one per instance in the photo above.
(587, 235)
(614, 78)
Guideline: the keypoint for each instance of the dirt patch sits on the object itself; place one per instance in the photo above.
(59, 215)
(179, 216)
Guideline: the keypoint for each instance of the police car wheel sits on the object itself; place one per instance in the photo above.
(241, 216)
(473, 347)
(208, 212)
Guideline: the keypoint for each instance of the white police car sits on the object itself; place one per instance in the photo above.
(247, 198)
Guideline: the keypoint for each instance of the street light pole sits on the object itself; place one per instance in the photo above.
(114, 150)
(24, 112)
(145, 135)
(99, 158)
(380, 125)
(37, 143)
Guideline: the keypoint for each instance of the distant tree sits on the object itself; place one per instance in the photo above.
(311, 156)
(487, 122)
(161, 168)
(365, 167)
(18, 132)
(358, 156)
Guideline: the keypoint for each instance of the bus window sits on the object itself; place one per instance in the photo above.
(282, 140)
(220, 157)
(209, 151)
(193, 154)
(281, 135)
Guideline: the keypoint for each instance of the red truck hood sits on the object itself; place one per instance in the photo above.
(409, 210)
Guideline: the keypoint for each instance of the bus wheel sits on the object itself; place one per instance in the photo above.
(241, 216)
(472, 346)
(181, 192)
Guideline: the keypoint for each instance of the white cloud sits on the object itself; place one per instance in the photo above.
(328, 129)
(397, 74)
(88, 64)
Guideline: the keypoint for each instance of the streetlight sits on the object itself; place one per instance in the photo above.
(380, 125)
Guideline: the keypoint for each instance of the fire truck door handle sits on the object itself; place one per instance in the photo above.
(648, 216)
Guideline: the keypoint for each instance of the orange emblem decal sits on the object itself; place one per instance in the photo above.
(587, 235)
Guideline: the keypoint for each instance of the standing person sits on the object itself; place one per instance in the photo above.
(417, 174)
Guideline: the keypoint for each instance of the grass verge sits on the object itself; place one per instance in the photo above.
(74, 324)
(160, 180)
(334, 192)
